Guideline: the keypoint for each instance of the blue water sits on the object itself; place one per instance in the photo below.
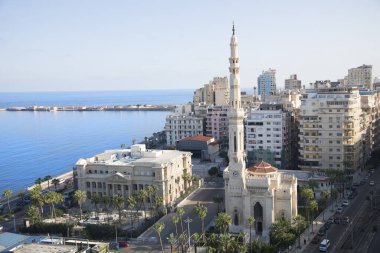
(36, 144)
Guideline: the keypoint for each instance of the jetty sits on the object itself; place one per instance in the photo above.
(92, 108)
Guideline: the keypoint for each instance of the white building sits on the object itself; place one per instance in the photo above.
(126, 171)
(213, 93)
(330, 128)
(261, 191)
(293, 83)
(179, 126)
(268, 135)
(360, 77)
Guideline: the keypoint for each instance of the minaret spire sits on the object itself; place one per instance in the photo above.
(233, 28)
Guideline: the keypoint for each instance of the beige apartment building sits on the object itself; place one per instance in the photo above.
(126, 171)
(331, 128)
(216, 92)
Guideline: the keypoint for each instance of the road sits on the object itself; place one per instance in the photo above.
(358, 211)
(203, 196)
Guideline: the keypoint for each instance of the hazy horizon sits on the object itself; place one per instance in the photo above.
(134, 45)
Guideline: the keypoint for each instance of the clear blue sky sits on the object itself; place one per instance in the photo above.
(119, 45)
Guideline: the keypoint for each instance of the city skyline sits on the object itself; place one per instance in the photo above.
(124, 45)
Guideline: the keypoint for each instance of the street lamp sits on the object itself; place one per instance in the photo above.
(188, 220)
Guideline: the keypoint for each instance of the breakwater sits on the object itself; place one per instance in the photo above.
(93, 108)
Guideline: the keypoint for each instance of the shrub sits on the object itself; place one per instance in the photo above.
(59, 229)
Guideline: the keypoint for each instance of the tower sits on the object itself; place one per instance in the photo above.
(235, 187)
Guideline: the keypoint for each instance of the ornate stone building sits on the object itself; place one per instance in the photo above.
(260, 191)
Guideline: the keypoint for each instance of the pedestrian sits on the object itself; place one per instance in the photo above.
(304, 241)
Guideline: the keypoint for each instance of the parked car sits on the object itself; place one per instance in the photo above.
(114, 245)
(326, 226)
(346, 220)
(345, 203)
(123, 244)
(339, 210)
(371, 183)
(1, 228)
(321, 232)
(316, 239)
(356, 184)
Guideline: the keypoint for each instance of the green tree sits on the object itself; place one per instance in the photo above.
(186, 179)
(80, 198)
(47, 178)
(7, 195)
(227, 241)
(55, 182)
(172, 240)
(106, 202)
(158, 227)
(157, 202)
(213, 171)
(251, 221)
(307, 194)
(38, 181)
(96, 200)
(118, 203)
(218, 200)
(33, 213)
(326, 196)
(181, 212)
(131, 202)
(281, 234)
(201, 211)
(313, 206)
(142, 195)
(299, 225)
(51, 199)
(37, 198)
(196, 238)
(175, 220)
(222, 222)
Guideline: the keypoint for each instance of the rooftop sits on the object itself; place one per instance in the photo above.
(262, 168)
(44, 248)
(197, 138)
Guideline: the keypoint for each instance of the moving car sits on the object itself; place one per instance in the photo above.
(324, 245)
(345, 203)
(371, 183)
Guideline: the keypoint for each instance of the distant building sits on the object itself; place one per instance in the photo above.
(360, 77)
(266, 82)
(217, 124)
(213, 93)
(293, 83)
(268, 135)
(179, 126)
(126, 171)
(204, 147)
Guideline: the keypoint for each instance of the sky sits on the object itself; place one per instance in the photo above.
(90, 45)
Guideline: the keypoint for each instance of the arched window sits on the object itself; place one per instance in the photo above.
(236, 218)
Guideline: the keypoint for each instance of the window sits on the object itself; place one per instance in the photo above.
(88, 184)
(135, 187)
(93, 184)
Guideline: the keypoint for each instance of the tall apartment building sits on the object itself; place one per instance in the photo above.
(126, 171)
(330, 128)
(266, 82)
(360, 77)
(217, 124)
(293, 83)
(179, 126)
(268, 135)
(216, 92)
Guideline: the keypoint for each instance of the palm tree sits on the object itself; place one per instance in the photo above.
(33, 213)
(222, 222)
(226, 240)
(201, 211)
(180, 213)
(158, 227)
(175, 221)
(251, 221)
(37, 197)
(118, 202)
(186, 179)
(299, 222)
(38, 181)
(157, 202)
(325, 196)
(307, 194)
(131, 203)
(241, 242)
(53, 198)
(47, 178)
(218, 200)
(172, 240)
(7, 194)
(80, 198)
(142, 195)
(106, 201)
(196, 238)
(313, 206)
(55, 182)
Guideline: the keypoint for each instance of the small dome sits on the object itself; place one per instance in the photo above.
(262, 167)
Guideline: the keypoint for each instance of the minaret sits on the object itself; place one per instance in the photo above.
(236, 153)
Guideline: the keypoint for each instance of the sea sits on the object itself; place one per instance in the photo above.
(37, 144)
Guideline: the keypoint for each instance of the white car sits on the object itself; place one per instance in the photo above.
(345, 203)
(1, 228)
(371, 183)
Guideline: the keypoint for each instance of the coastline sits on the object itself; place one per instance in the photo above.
(137, 107)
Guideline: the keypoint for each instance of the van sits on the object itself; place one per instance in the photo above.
(324, 245)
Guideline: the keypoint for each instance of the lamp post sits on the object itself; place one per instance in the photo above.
(188, 220)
